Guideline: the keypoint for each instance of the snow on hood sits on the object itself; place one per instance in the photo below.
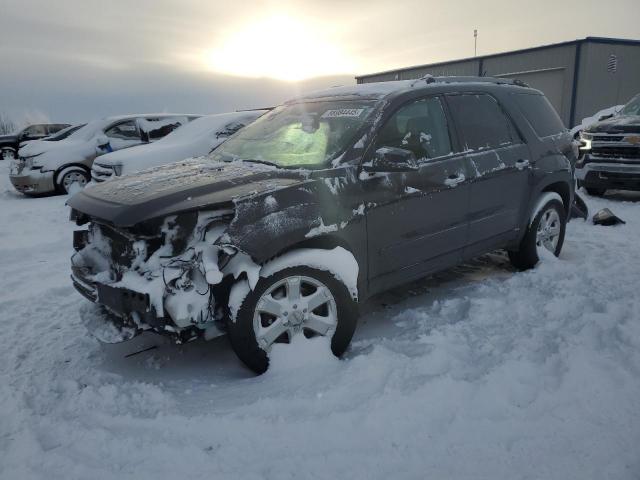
(588, 121)
(194, 139)
(52, 155)
(180, 186)
(616, 124)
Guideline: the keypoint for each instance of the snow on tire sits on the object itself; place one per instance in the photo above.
(545, 233)
(296, 301)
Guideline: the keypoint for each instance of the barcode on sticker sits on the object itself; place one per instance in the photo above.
(343, 112)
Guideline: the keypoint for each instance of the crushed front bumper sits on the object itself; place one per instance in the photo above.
(32, 182)
(601, 173)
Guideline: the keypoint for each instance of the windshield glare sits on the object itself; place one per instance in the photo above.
(307, 135)
(633, 107)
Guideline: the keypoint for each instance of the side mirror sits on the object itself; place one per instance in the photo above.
(103, 145)
(392, 159)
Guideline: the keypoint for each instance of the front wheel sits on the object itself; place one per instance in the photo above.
(546, 233)
(296, 301)
(8, 154)
(71, 177)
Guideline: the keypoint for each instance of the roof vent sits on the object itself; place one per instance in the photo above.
(612, 63)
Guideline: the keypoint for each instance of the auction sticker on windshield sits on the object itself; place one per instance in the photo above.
(343, 112)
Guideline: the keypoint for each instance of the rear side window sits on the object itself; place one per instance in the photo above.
(481, 121)
(540, 113)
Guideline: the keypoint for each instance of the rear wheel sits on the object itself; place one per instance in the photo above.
(545, 232)
(70, 177)
(297, 301)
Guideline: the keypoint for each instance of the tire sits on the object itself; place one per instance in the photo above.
(595, 192)
(526, 256)
(252, 345)
(8, 154)
(71, 175)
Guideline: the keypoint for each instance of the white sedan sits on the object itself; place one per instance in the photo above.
(195, 139)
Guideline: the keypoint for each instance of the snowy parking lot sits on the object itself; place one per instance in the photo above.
(480, 372)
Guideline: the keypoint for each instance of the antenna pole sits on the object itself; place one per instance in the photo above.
(475, 43)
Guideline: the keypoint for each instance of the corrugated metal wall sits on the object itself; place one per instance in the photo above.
(551, 70)
(599, 87)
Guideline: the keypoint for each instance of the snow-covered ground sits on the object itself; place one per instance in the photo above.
(479, 373)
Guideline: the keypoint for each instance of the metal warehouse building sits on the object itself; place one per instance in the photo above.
(579, 77)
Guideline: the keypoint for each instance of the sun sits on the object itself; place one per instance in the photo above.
(279, 47)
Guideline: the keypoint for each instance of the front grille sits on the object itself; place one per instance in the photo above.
(100, 173)
(607, 138)
(620, 176)
(616, 152)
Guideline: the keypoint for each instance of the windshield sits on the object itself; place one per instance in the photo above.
(633, 107)
(306, 135)
(62, 134)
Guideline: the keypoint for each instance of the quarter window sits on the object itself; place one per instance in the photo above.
(540, 114)
(420, 126)
(481, 121)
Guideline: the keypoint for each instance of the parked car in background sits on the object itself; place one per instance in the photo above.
(195, 139)
(610, 152)
(48, 167)
(320, 204)
(10, 144)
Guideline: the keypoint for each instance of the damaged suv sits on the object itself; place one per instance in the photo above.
(322, 203)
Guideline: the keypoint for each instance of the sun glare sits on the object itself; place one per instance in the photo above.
(279, 47)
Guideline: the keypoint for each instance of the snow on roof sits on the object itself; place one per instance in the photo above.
(368, 90)
(377, 90)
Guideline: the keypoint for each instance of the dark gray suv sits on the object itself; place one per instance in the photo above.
(322, 203)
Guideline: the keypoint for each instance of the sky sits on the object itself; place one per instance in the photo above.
(74, 60)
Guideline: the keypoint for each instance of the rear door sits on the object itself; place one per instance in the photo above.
(500, 163)
(416, 220)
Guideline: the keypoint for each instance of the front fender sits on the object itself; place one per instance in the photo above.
(270, 223)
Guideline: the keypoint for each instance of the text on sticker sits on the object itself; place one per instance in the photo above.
(343, 112)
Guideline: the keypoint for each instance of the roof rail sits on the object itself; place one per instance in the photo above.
(455, 79)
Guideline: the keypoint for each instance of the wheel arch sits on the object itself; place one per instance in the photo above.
(69, 167)
(564, 190)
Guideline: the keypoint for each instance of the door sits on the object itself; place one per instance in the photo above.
(499, 160)
(416, 220)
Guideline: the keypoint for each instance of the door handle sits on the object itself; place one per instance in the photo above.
(521, 164)
(454, 180)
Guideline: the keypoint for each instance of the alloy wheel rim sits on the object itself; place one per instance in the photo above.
(548, 233)
(293, 306)
(73, 177)
(8, 155)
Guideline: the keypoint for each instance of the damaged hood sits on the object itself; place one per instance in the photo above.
(617, 124)
(182, 186)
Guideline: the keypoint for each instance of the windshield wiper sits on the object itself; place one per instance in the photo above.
(264, 162)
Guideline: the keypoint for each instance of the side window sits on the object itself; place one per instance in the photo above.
(36, 131)
(156, 128)
(124, 131)
(481, 121)
(540, 114)
(419, 126)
